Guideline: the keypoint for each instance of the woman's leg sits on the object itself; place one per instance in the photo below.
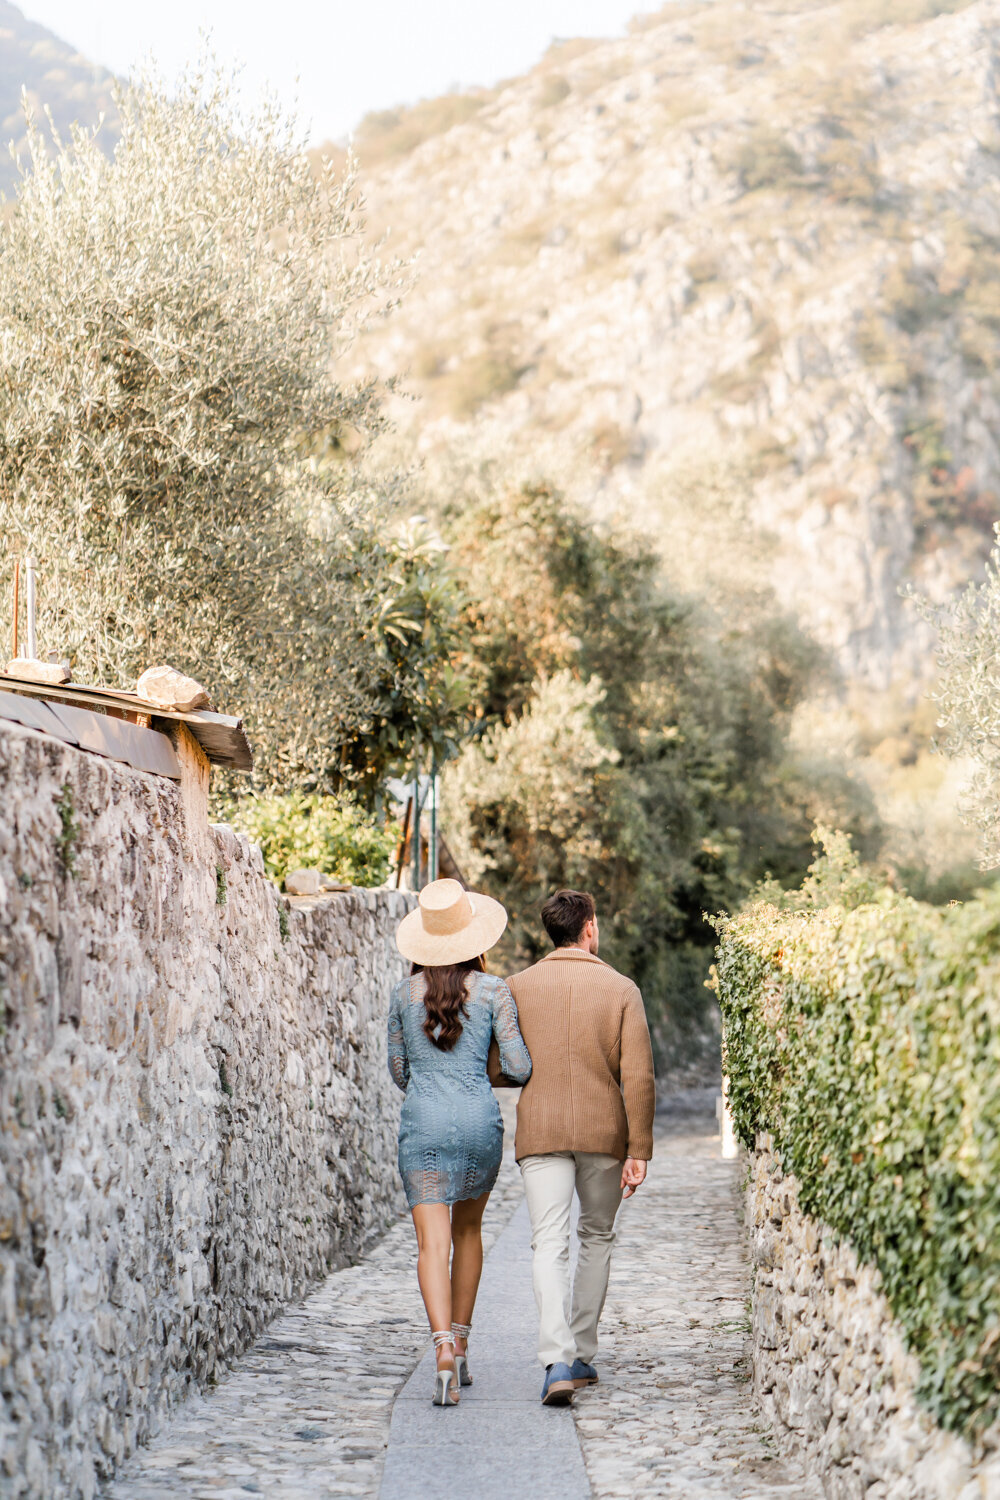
(431, 1222)
(467, 1262)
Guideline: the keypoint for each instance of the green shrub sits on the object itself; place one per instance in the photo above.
(483, 377)
(862, 1029)
(704, 268)
(914, 300)
(883, 349)
(848, 170)
(332, 834)
(419, 697)
(966, 698)
(69, 829)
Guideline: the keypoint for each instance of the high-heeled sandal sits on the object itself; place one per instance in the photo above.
(462, 1331)
(445, 1381)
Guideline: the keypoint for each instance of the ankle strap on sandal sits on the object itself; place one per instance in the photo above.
(461, 1330)
(441, 1339)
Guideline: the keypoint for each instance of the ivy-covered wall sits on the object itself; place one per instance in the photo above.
(862, 1031)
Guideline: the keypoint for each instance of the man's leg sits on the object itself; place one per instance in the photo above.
(548, 1187)
(599, 1185)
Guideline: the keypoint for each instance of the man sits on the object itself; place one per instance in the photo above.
(584, 1125)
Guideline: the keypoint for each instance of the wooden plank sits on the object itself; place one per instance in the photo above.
(403, 842)
(112, 698)
(449, 865)
(33, 715)
(145, 749)
(103, 695)
(221, 736)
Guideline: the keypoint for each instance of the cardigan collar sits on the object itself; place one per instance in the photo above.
(573, 953)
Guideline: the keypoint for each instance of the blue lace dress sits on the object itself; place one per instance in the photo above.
(450, 1130)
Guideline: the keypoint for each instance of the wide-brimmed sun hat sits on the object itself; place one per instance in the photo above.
(450, 925)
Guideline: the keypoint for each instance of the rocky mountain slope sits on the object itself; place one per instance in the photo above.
(736, 275)
(55, 76)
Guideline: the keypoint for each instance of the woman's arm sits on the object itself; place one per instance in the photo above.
(515, 1060)
(399, 1063)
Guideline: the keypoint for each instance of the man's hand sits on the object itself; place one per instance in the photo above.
(633, 1175)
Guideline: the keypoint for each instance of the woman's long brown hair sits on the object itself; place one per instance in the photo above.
(446, 989)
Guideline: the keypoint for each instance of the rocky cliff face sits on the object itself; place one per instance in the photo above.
(737, 276)
(55, 77)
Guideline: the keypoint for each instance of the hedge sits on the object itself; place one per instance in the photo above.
(862, 1030)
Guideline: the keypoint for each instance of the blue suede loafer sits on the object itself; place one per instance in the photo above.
(559, 1386)
(583, 1374)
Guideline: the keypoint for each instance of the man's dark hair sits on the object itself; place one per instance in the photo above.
(566, 914)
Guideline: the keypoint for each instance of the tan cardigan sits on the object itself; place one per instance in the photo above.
(591, 1086)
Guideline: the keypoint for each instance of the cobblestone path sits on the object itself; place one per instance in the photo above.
(673, 1415)
(306, 1414)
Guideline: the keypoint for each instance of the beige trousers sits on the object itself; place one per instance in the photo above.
(568, 1319)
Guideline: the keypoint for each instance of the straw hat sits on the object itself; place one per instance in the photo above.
(450, 925)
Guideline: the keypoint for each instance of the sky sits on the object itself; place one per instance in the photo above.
(334, 60)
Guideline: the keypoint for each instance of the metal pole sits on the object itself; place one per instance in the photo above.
(401, 851)
(433, 847)
(416, 824)
(29, 568)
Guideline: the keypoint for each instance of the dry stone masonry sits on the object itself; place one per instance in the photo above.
(195, 1113)
(831, 1370)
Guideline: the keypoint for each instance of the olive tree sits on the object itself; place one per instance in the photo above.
(171, 322)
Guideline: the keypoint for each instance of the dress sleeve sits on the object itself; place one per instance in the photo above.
(399, 1063)
(515, 1059)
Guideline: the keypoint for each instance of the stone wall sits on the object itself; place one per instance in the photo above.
(195, 1113)
(830, 1366)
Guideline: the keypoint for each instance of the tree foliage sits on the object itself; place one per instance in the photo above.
(170, 324)
(629, 742)
(527, 800)
(418, 684)
(178, 449)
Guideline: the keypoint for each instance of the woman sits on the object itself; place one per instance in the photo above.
(450, 1132)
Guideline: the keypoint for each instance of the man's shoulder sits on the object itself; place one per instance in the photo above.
(562, 967)
(621, 983)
